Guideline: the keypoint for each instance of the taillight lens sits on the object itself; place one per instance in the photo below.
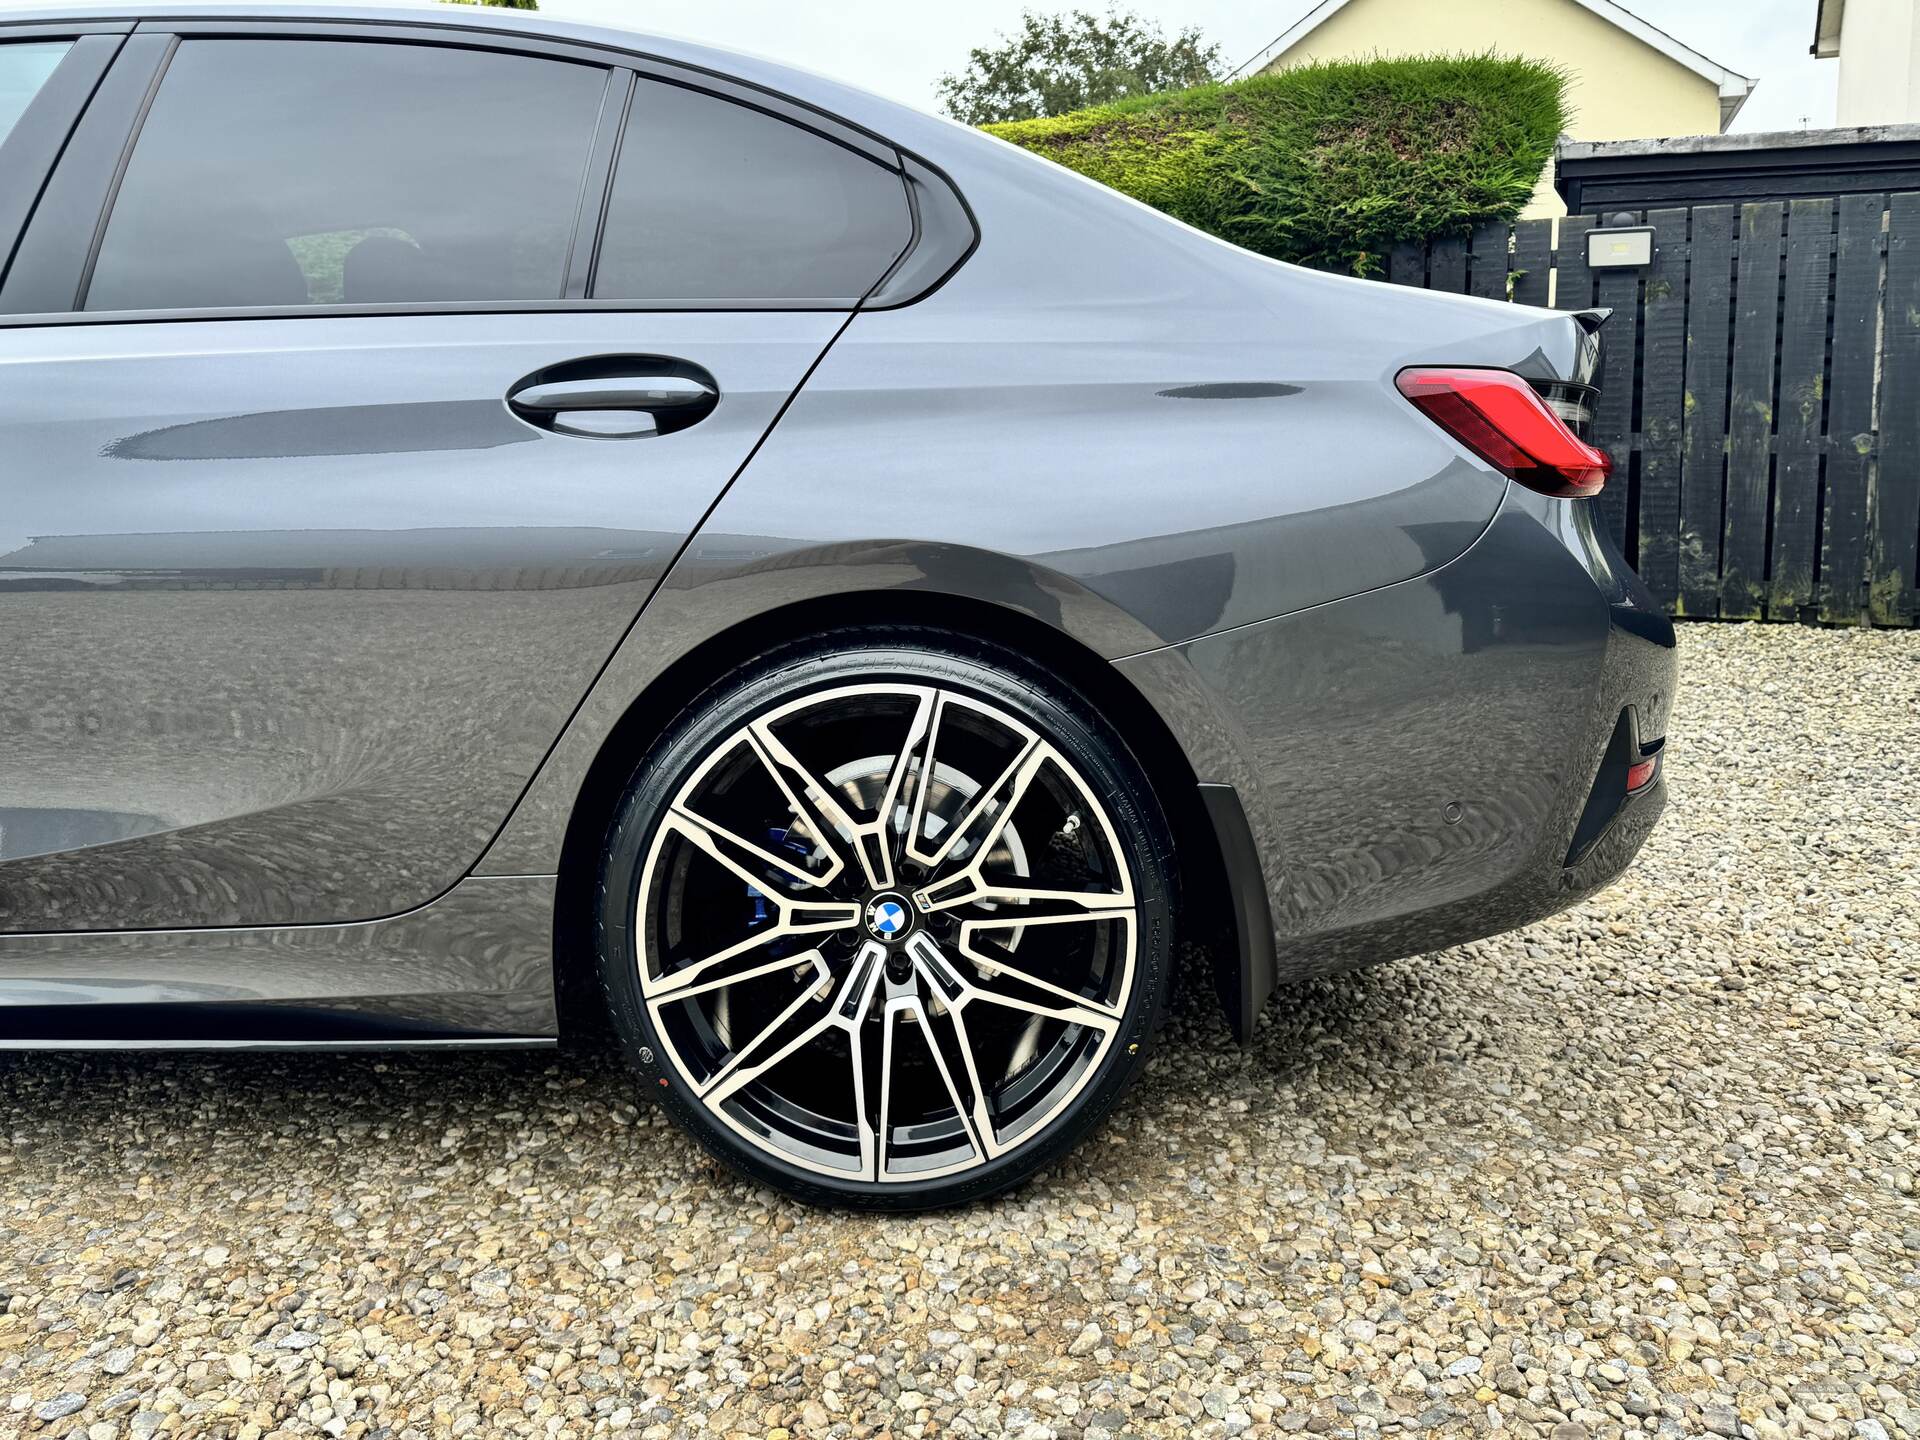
(1499, 417)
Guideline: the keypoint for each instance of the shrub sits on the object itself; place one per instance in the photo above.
(1328, 164)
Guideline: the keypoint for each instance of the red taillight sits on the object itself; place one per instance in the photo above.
(1640, 775)
(1499, 417)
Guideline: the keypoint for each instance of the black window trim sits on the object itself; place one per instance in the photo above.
(487, 37)
(11, 30)
(625, 69)
(590, 221)
(31, 150)
(43, 277)
(119, 175)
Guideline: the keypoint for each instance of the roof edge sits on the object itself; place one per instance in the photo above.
(1828, 18)
(1731, 84)
(1759, 140)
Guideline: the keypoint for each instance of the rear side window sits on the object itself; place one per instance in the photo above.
(716, 201)
(322, 172)
(24, 68)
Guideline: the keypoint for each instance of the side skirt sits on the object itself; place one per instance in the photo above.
(474, 966)
(332, 1046)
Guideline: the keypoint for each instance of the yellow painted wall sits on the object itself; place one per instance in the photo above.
(1620, 88)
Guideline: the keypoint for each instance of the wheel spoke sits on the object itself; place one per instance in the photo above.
(794, 919)
(809, 994)
(998, 961)
(810, 798)
(910, 766)
(865, 1131)
(759, 867)
(1011, 783)
(673, 989)
(970, 888)
(847, 1009)
(905, 1004)
(1072, 1009)
(955, 995)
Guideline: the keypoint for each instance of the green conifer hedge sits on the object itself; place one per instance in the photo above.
(1329, 164)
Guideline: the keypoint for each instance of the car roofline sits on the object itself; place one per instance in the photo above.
(836, 97)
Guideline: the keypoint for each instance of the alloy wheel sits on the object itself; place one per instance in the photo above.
(885, 933)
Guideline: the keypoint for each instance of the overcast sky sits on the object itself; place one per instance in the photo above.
(900, 47)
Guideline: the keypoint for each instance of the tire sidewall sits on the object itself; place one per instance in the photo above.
(999, 677)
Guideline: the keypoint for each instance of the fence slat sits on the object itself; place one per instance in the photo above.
(1572, 280)
(1488, 254)
(1532, 261)
(1407, 264)
(1662, 387)
(1618, 291)
(1704, 408)
(1447, 265)
(1894, 506)
(1743, 540)
(1849, 444)
(1803, 353)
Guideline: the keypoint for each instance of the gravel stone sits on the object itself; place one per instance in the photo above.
(1645, 1168)
(61, 1406)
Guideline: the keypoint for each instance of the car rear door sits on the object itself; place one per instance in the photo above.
(341, 450)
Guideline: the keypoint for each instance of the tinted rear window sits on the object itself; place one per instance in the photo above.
(713, 200)
(315, 172)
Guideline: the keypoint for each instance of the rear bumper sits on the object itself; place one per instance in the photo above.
(1417, 762)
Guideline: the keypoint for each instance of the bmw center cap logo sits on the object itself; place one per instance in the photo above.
(888, 917)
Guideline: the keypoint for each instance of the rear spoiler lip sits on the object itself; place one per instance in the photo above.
(1589, 361)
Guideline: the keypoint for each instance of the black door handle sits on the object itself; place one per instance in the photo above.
(616, 397)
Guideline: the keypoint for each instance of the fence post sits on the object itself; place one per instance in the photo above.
(1895, 499)
(1532, 261)
(1743, 543)
(1849, 436)
(1488, 277)
(1703, 455)
(1447, 264)
(1662, 390)
(1618, 291)
(1407, 264)
(1803, 354)
(1572, 280)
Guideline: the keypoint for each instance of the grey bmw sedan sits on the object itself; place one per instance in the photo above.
(509, 527)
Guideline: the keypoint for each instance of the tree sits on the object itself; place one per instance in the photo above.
(1058, 63)
(500, 4)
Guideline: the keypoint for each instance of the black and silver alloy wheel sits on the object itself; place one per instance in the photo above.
(888, 925)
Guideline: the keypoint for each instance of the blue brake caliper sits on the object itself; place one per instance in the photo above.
(776, 840)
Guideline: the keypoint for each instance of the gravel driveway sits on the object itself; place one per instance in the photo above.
(1646, 1166)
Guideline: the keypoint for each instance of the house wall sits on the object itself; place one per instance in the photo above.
(1879, 63)
(1620, 88)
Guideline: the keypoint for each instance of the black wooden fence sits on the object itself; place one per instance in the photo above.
(1761, 398)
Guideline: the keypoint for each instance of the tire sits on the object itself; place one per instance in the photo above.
(886, 919)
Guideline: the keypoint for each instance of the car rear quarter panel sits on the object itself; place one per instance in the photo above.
(1105, 421)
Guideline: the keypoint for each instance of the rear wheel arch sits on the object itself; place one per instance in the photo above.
(1207, 899)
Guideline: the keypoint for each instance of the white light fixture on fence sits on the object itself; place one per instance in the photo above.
(1620, 247)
